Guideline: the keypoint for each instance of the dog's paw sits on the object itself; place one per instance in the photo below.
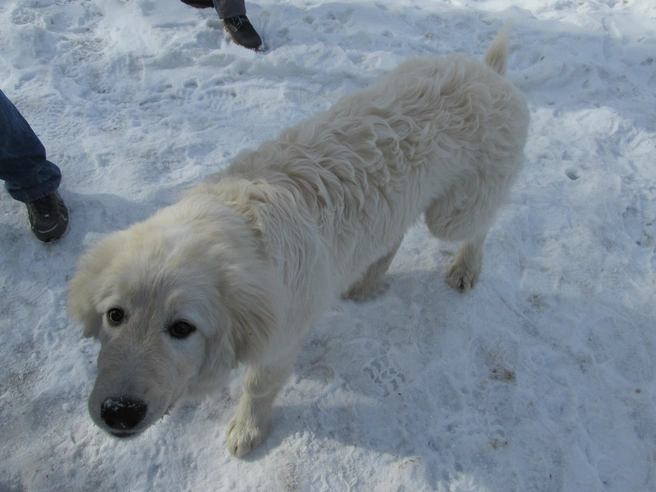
(243, 435)
(461, 278)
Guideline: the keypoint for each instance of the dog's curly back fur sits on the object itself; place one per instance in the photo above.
(444, 127)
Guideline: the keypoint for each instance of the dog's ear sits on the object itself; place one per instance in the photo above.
(255, 305)
(85, 287)
(253, 298)
(250, 312)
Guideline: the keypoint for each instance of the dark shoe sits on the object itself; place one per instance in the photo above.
(200, 4)
(242, 32)
(48, 217)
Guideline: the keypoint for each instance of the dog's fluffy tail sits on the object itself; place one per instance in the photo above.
(497, 54)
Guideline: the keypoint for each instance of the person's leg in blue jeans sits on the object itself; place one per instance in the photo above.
(29, 177)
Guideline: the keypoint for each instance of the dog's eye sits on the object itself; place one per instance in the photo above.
(115, 316)
(181, 329)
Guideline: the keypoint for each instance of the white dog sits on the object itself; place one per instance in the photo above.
(244, 264)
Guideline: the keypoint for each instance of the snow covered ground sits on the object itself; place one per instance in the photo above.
(540, 379)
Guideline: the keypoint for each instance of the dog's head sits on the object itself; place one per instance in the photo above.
(176, 302)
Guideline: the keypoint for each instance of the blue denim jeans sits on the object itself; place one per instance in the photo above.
(27, 174)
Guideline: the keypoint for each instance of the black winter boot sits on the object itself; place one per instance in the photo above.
(48, 217)
(242, 32)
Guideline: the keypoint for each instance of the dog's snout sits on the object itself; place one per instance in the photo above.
(123, 414)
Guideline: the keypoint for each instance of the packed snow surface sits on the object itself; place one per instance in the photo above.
(540, 379)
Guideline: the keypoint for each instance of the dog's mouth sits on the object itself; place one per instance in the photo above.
(123, 434)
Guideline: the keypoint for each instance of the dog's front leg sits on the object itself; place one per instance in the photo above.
(250, 424)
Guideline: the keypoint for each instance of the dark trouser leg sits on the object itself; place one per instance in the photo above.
(230, 8)
(27, 174)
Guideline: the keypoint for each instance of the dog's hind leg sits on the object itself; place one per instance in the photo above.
(250, 424)
(466, 265)
(465, 220)
(371, 282)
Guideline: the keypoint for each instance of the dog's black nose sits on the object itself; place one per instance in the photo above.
(123, 414)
